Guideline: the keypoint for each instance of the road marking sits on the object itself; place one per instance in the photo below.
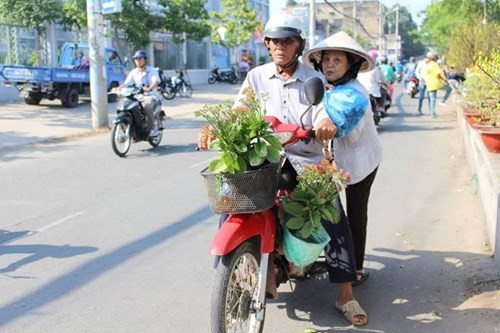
(202, 163)
(61, 221)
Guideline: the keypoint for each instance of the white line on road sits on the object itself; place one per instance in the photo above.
(56, 223)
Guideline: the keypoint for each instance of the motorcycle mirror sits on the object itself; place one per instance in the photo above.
(315, 90)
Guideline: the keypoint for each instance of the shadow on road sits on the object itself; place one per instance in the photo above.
(411, 291)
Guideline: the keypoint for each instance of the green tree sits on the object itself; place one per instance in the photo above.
(137, 21)
(34, 14)
(238, 20)
(188, 17)
(456, 29)
(444, 16)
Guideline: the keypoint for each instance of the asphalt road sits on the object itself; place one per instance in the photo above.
(90, 242)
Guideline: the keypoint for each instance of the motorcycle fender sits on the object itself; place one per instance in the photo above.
(237, 228)
(123, 116)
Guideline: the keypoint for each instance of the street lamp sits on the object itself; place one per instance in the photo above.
(381, 25)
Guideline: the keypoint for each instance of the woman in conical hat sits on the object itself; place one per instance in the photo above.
(357, 147)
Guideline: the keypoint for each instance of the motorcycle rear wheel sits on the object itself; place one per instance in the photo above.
(155, 140)
(120, 138)
(236, 287)
(168, 93)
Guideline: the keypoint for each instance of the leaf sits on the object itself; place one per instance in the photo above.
(295, 223)
(273, 155)
(241, 148)
(325, 213)
(261, 149)
(334, 212)
(293, 208)
(217, 166)
(316, 218)
(306, 231)
(254, 159)
(299, 195)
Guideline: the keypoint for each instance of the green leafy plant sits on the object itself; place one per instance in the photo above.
(243, 138)
(314, 198)
(483, 87)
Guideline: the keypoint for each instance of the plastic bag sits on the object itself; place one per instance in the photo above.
(302, 252)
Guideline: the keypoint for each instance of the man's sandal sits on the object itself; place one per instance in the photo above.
(360, 278)
(352, 312)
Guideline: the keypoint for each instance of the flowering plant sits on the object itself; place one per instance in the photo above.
(314, 198)
(241, 135)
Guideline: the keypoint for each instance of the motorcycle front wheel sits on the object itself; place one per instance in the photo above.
(211, 80)
(236, 288)
(233, 79)
(186, 91)
(120, 138)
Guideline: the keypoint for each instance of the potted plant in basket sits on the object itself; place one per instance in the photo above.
(313, 200)
(243, 177)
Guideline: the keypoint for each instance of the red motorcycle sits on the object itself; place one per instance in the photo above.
(248, 245)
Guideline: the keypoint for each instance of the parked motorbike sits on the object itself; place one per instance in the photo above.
(246, 246)
(131, 124)
(170, 86)
(226, 75)
(412, 87)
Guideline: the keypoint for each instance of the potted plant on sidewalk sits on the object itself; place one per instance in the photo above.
(483, 92)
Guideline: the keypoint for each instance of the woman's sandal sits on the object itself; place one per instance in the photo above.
(352, 309)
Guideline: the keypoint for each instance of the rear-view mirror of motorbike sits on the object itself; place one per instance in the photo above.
(315, 90)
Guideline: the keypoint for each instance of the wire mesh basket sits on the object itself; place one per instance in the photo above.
(246, 192)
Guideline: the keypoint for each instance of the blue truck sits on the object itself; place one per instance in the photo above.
(68, 81)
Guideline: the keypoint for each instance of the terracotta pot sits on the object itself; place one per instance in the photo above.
(472, 116)
(491, 137)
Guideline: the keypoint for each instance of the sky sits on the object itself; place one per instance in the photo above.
(413, 6)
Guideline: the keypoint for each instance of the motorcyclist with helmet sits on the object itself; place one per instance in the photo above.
(148, 78)
(279, 85)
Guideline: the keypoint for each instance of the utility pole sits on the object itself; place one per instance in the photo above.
(355, 23)
(98, 89)
(312, 23)
(397, 35)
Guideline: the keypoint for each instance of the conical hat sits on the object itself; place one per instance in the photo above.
(339, 41)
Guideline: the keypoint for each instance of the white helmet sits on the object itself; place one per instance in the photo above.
(284, 26)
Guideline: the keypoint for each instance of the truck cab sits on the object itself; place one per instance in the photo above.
(68, 81)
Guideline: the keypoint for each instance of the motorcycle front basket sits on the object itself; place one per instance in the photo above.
(245, 192)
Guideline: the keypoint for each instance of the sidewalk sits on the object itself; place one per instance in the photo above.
(25, 125)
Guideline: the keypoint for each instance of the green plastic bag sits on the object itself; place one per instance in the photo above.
(302, 252)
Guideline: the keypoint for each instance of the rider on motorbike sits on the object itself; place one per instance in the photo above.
(372, 80)
(148, 78)
(282, 84)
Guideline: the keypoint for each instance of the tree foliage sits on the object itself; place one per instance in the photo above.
(180, 16)
(33, 14)
(239, 21)
(455, 28)
(411, 46)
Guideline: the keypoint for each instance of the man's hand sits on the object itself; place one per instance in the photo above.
(325, 130)
(205, 137)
